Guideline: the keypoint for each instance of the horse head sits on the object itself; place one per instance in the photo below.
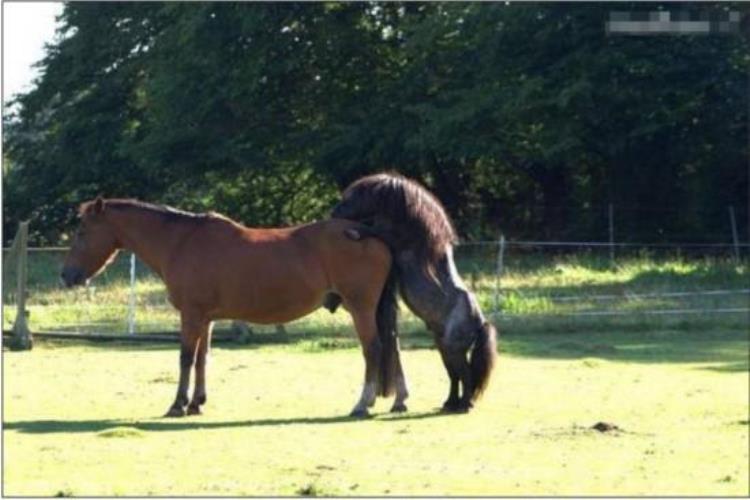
(94, 245)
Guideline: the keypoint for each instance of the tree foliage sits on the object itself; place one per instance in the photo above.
(521, 117)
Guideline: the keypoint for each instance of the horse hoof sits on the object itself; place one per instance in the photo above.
(194, 410)
(175, 411)
(356, 413)
(450, 407)
(457, 407)
(398, 408)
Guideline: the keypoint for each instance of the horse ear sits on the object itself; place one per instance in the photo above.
(98, 206)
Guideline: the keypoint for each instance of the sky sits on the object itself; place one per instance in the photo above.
(26, 28)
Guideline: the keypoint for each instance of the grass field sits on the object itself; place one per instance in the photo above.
(84, 420)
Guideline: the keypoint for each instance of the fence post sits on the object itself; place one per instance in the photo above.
(499, 271)
(21, 340)
(735, 238)
(281, 331)
(131, 304)
(611, 218)
(242, 332)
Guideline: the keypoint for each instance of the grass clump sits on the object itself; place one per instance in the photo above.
(310, 490)
(121, 432)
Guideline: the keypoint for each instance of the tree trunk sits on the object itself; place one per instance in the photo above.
(554, 186)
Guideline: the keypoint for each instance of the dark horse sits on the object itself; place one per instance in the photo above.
(215, 268)
(416, 227)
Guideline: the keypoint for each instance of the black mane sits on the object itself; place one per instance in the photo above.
(414, 217)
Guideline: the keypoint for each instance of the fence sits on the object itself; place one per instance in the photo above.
(586, 280)
(17, 252)
(555, 284)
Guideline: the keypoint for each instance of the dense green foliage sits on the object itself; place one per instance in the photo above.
(526, 118)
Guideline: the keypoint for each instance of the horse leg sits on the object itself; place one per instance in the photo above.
(464, 374)
(402, 391)
(189, 338)
(452, 403)
(371, 349)
(199, 391)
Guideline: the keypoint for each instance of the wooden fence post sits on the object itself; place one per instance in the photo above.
(21, 339)
(132, 297)
(242, 332)
(735, 238)
(499, 271)
(281, 331)
(611, 217)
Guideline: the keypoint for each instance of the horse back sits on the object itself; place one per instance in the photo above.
(269, 275)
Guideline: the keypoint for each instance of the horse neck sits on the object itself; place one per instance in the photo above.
(145, 234)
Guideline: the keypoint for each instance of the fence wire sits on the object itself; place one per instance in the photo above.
(516, 280)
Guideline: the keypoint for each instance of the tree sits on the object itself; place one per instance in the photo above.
(520, 117)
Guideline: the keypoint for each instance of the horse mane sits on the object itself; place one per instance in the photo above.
(417, 217)
(165, 211)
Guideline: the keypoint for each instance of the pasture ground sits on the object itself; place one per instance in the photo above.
(84, 419)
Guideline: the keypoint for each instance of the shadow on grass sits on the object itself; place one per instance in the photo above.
(724, 351)
(312, 339)
(720, 349)
(742, 366)
(188, 423)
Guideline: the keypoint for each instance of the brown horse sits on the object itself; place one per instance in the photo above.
(215, 268)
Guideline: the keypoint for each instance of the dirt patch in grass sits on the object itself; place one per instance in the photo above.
(605, 427)
(164, 379)
(312, 490)
(575, 431)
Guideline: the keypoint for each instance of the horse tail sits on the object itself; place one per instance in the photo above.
(482, 360)
(386, 320)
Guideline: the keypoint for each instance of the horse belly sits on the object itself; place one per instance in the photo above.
(277, 308)
(271, 295)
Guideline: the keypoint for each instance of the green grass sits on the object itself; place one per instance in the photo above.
(83, 419)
